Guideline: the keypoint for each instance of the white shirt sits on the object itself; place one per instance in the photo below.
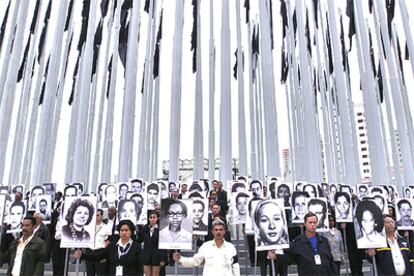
(19, 255)
(102, 232)
(219, 261)
(397, 257)
(120, 244)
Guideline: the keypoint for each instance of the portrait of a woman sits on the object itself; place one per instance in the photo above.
(271, 227)
(343, 207)
(369, 225)
(79, 215)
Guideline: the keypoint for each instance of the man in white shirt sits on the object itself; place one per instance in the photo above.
(102, 232)
(220, 257)
(396, 259)
(29, 248)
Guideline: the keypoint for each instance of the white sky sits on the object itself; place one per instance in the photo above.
(188, 78)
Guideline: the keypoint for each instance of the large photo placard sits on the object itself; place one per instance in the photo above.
(79, 222)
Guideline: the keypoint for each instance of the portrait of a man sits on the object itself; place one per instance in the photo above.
(123, 188)
(175, 224)
(319, 207)
(404, 214)
(199, 216)
(17, 212)
(240, 203)
(153, 195)
(137, 185)
(44, 205)
(237, 187)
(299, 207)
(80, 187)
(34, 193)
(100, 191)
(50, 189)
(362, 191)
(141, 201)
(256, 188)
(70, 190)
(110, 196)
(19, 188)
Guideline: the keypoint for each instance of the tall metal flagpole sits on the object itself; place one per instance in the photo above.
(108, 139)
(350, 176)
(225, 98)
(102, 67)
(259, 123)
(7, 103)
(407, 161)
(376, 147)
(198, 151)
(128, 112)
(269, 98)
(211, 83)
(21, 121)
(175, 121)
(241, 103)
(9, 34)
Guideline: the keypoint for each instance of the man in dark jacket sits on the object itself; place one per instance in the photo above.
(396, 259)
(26, 256)
(43, 232)
(311, 252)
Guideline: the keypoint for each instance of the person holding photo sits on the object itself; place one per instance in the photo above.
(369, 218)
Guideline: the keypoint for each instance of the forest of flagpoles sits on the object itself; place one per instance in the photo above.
(315, 73)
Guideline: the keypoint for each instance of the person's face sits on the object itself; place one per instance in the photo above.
(311, 224)
(271, 224)
(283, 192)
(125, 233)
(35, 194)
(19, 189)
(220, 185)
(317, 209)
(123, 189)
(215, 210)
(218, 232)
(363, 191)
(198, 212)
(256, 189)
(310, 190)
(42, 206)
(215, 185)
(325, 189)
(367, 222)
(153, 219)
(111, 213)
(71, 191)
(184, 188)
(331, 222)
(300, 206)
(128, 212)
(299, 186)
(111, 194)
(172, 186)
(380, 202)
(139, 201)
(7, 207)
(27, 228)
(81, 216)
(405, 211)
(241, 205)
(99, 218)
(389, 225)
(136, 187)
(101, 190)
(152, 196)
(16, 216)
(342, 205)
(175, 215)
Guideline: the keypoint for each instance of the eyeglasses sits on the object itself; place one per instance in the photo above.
(171, 214)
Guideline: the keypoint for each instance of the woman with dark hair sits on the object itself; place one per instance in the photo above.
(128, 209)
(343, 207)
(370, 221)
(153, 258)
(124, 257)
(80, 213)
(334, 237)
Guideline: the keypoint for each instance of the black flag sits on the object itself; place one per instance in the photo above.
(104, 8)
(390, 5)
(285, 65)
(75, 76)
(35, 17)
(307, 34)
(85, 21)
(247, 6)
(407, 53)
(283, 13)
(109, 77)
(328, 44)
(123, 31)
(44, 30)
(380, 84)
(194, 36)
(42, 93)
(3, 24)
(156, 65)
(236, 64)
(350, 14)
(344, 51)
(97, 41)
(315, 12)
(24, 60)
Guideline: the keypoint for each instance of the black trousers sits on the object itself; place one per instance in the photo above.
(96, 268)
(58, 258)
(281, 265)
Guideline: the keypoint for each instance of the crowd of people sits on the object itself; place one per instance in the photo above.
(136, 229)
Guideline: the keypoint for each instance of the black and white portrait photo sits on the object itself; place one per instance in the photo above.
(79, 221)
(343, 207)
(324, 190)
(298, 185)
(176, 224)
(34, 193)
(299, 206)
(19, 188)
(80, 187)
(256, 188)
(6, 208)
(381, 201)
(369, 225)
(110, 196)
(405, 216)
(311, 189)
(319, 207)
(163, 189)
(200, 215)
(332, 191)
(70, 191)
(249, 226)
(128, 209)
(141, 201)
(123, 188)
(362, 191)
(137, 185)
(17, 212)
(44, 208)
(4, 190)
(237, 187)
(239, 206)
(283, 190)
(271, 229)
(50, 189)
(153, 195)
(345, 188)
(100, 191)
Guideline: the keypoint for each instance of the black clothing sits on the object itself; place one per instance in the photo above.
(303, 255)
(152, 255)
(355, 255)
(281, 264)
(44, 233)
(131, 261)
(96, 268)
(201, 227)
(384, 261)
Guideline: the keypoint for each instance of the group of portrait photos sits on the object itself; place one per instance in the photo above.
(266, 209)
